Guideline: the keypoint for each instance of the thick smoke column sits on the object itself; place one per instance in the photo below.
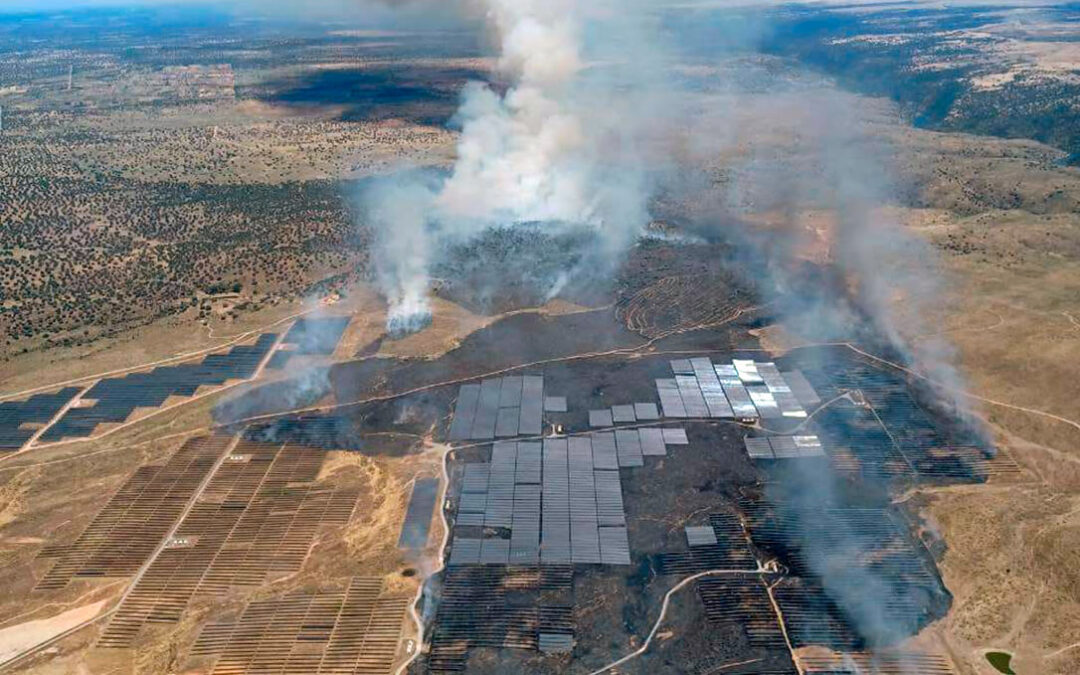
(398, 212)
(556, 148)
(518, 157)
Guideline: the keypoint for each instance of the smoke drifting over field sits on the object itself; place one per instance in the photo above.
(566, 146)
(560, 147)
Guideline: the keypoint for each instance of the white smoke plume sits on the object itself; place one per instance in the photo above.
(558, 147)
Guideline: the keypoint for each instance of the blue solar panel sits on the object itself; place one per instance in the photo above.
(37, 409)
(117, 397)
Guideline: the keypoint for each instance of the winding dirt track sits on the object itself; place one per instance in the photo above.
(663, 612)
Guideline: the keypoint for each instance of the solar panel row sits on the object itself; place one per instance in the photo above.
(116, 398)
(554, 498)
(260, 512)
(499, 408)
(316, 335)
(711, 390)
(15, 416)
(628, 443)
(743, 389)
(355, 631)
(417, 523)
(500, 607)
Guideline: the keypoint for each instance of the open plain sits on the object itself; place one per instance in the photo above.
(215, 457)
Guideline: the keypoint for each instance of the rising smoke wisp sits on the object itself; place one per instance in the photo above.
(559, 147)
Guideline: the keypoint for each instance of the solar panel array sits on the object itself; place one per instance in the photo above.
(131, 525)
(310, 335)
(812, 618)
(259, 513)
(742, 406)
(743, 390)
(559, 502)
(601, 418)
(619, 414)
(116, 398)
(500, 407)
(731, 550)
(801, 387)
(417, 523)
(36, 410)
(507, 606)
(878, 662)
(355, 631)
(742, 603)
(781, 392)
(784, 447)
(700, 535)
(555, 404)
(881, 544)
(923, 447)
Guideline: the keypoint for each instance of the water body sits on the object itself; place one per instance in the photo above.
(1000, 661)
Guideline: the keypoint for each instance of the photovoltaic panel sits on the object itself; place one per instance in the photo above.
(316, 335)
(500, 496)
(788, 404)
(770, 375)
(747, 370)
(711, 390)
(801, 387)
(38, 409)
(609, 502)
(473, 502)
(646, 411)
(809, 446)
(776, 384)
(652, 442)
(469, 519)
(585, 543)
(506, 425)
(675, 436)
(758, 447)
(464, 551)
(763, 401)
(614, 546)
(692, 399)
(525, 534)
(580, 448)
(623, 413)
(742, 406)
(628, 444)
(464, 412)
(726, 371)
(555, 513)
(670, 399)
(475, 477)
(487, 411)
(414, 531)
(555, 643)
(605, 455)
(117, 397)
(783, 447)
(532, 405)
(555, 404)
(700, 535)
(600, 418)
(495, 551)
(529, 459)
(682, 367)
(510, 392)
